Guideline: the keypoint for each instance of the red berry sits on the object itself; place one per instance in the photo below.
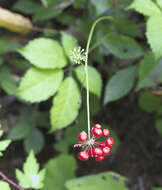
(98, 126)
(83, 156)
(105, 132)
(96, 132)
(90, 152)
(82, 136)
(101, 144)
(109, 142)
(99, 158)
(97, 152)
(106, 151)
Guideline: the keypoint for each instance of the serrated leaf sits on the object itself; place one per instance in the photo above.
(59, 170)
(34, 141)
(146, 7)
(65, 105)
(4, 185)
(149, 72)
(69, 43)
(44, 53)
(104, 181)
(95, 80)
(153, 34)
(31, 178)
(122, 46)
(38, 85)
(120, 84)
(150, 103)
(158, 126)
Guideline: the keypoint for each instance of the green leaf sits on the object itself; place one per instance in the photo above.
(58, 171)
(46, 13)
(146, 7)
(95, 80)
(104, 181)
(120, 84)
(38, 85)
(102, 5)
(156, 188)
(44, 53)
(65, 105)
(8, 83)
(158, 126)
(21, 130)
(150, 103)
(69, 43)
(34, 141)
(153, 34)
(145, 67)
(4, 185)
(159, 2)
(122, 47)
(8, 46)
(32, 177)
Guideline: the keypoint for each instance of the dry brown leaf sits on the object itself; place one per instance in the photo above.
(14, 22)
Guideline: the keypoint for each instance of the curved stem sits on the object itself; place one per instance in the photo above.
(86, 67)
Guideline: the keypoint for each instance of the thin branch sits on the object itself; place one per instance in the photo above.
(5, 178)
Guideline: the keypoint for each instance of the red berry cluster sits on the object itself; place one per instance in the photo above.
(93, 148)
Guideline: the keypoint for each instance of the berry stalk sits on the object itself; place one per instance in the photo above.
(86, 67)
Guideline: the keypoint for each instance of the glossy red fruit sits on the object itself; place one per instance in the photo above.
(105, 132)
(99, 158)
(90, 152)
(82, 136)
(83, 156)
(101, 144)
(98, 126)
(97, 132)
(109, 142)
(106, 151)
(97, 152)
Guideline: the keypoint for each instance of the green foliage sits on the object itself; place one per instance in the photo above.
(154, 26)
(157, 188)
(4, 185)
(102, 5)
(150, 103)
(94, 78)
(44, 53)
(7, 46)
(58, 171)
(65, 105)
(32, 177)
(104, 181)
(3, 143)
(158, 126)
(38, 85)
(122, 46)
(120, 84)
(34, 141)
(146, 7)
(69, 43)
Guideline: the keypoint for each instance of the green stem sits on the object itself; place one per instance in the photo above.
(86, 66)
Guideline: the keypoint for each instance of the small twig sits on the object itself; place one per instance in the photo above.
(5, 178)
